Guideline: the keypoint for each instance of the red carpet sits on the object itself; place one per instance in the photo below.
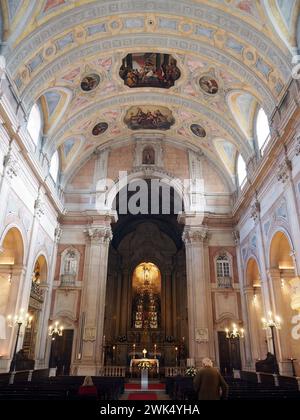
(152, 387)
(142, 396)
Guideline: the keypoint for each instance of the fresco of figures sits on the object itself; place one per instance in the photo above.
(149, 70)
(149, 118)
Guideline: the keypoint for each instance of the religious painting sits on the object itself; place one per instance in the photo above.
(198, 130)
(146, 305)
(149, 118)
(148, 156)
(209, 85)
(149, 70)
(100, 128)
(90, 82)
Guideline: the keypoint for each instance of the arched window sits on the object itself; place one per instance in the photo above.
(262, 130)
(54, 166)
(223, 271)
(34, 125)
(241, 171)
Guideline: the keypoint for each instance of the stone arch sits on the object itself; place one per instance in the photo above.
(169, 179)
(282, 270)
(255, 307)
(279, 247)
(12, 257)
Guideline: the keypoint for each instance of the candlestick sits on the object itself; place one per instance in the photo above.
(133, 350)
(154, 351)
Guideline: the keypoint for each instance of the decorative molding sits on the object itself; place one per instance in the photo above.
(99, 235)
(297, 147)
(255, 211)
(39, 206)
(11, 165)
(192, 235)
(236, 237)
(284, 171)
(57, 234)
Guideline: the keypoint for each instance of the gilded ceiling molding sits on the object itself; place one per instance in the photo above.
(170, 44)
(183, 9)
(157, 98)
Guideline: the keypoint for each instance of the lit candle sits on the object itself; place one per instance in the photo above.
(133, 351)
(154, 351)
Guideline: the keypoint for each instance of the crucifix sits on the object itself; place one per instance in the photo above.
(145, 353)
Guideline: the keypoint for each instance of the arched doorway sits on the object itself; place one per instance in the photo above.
(11, 275)
(281, 271)
(255, 309)
(145, 246)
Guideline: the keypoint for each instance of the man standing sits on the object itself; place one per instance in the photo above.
(209, 382)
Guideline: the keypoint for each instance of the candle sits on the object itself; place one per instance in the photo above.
(154, 351)
(133, 351)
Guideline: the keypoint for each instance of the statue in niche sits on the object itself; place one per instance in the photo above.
(148, 156)
(70, 263)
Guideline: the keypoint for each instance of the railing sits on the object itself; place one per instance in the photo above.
(67, 280)
(37, 292)
(225, 282)
(119, 371)
(174, 371)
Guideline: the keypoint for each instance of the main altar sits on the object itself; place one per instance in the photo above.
(135, 363)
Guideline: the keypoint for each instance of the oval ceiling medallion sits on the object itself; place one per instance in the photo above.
(209, 85)
(100, 128)
(90, 82)
(149, 70)
(198, 130)
(149, 118)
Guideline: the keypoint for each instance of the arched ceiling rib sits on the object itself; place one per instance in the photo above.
(52, 44)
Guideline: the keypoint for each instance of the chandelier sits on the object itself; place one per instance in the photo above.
(271, 322)
(56, 329)
(235, 332)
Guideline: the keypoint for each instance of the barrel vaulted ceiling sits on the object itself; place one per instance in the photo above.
(245, 46)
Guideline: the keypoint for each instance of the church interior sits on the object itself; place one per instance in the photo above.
(149, 195)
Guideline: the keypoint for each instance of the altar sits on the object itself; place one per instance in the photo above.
(134, 364)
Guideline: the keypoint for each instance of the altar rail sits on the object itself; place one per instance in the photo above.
(119, 371)
(174, 371)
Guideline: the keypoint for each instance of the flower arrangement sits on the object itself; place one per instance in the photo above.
(191, 371)
(145, 365)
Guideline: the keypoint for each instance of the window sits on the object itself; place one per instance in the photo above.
(223, 269)
(262, 130)
(241, 171)
(34, 124)
(54, 166)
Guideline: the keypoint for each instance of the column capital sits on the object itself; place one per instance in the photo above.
(255, 211)
(99, 234)
(284, 171)
(195, 234)
(236, 237)
(11, 165)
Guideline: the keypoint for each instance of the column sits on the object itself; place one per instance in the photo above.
(168, 301)
(42, 352)
(282, 336)
(248, 357)
(10, 171)
(94, 293)
(198, 296)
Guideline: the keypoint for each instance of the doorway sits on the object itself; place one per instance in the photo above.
(229, 353)
(61, 352)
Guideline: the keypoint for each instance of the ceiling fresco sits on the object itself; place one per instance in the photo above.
(196, 71)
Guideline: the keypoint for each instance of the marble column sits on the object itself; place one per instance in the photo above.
(198, 296)
(248, 357)
(282, 336)
(42, 350)
(93, 299)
